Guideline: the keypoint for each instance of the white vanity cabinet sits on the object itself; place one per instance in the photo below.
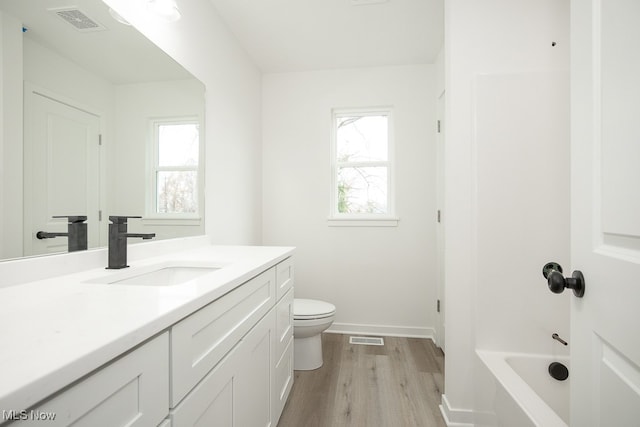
(230, 363)
(133, 390)
(225, 357)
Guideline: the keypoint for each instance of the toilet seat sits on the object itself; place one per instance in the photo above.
(309, 309)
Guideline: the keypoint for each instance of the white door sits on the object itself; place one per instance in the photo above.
(62, 169)
(605, 232)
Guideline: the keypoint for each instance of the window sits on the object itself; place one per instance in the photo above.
(362, 175)
(175, 175)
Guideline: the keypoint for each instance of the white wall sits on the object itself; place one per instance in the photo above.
(384, 277)
(506, 191)
(201, 43)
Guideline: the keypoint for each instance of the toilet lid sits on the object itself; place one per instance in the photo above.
(312, 309)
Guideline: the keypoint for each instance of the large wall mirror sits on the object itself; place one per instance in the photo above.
(97, 121)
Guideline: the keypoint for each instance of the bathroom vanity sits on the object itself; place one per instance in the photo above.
(203, 335)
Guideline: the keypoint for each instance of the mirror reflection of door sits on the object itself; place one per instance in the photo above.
(62, 170)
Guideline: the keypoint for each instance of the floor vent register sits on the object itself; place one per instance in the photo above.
(366, 340)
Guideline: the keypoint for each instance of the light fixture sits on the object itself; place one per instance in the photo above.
(115, 15)
(165, 9)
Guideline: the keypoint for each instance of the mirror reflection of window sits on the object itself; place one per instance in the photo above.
(176, 164)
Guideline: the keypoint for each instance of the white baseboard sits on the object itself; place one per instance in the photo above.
(455, 417)
(382, 330)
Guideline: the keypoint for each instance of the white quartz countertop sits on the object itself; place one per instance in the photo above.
(55, 331)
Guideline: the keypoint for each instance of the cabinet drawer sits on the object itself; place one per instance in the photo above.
(131, 391)
(284, 323)
(201, 340)
(284, 277)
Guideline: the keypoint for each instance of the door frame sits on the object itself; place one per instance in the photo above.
(440, 218)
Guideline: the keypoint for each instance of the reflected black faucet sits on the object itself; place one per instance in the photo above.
(76, 233)
(118, 241)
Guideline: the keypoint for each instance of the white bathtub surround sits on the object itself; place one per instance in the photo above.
(522, 391)
(506, 183)
(58, 329)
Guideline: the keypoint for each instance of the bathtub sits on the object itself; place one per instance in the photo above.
(525, 394)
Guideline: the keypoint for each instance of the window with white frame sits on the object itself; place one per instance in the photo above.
(175, 174)
(362, 165)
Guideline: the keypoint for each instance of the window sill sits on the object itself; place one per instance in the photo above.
(172, 220)
(363, 222)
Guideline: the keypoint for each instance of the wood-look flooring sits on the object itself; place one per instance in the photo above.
(395, 385)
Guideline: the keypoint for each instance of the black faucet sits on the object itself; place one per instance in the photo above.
(76, 233)
(560, 340)
(118, 241)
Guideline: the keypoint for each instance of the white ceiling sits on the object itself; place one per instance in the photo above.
(299, 35)
(119, 53)
(280, 35)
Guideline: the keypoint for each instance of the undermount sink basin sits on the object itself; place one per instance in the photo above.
(165, 274)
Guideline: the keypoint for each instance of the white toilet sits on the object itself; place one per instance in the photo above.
(310, 319)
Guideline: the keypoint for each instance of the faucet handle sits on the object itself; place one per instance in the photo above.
(120, 219)
(72, 218)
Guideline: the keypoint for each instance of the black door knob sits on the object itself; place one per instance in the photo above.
(557, 283)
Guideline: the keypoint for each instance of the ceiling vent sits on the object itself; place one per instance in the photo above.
(78, 19)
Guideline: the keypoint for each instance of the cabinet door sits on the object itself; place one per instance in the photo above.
(283, 380)
(214, 401)
(284, 354)
(237, 392)
(257, 375)
(131, 391)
